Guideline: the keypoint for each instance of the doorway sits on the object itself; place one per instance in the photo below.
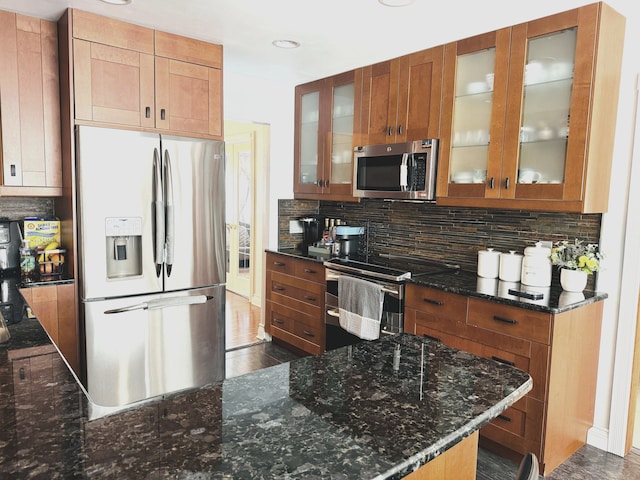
(247, 146)
(239, 211)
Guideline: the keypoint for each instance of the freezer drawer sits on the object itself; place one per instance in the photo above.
(142, 347)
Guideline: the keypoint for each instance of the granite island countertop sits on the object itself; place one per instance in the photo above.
(353, 412)
(463, 282)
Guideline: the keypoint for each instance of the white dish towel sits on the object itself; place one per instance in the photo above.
(360, 306)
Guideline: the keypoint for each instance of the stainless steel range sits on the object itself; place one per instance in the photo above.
(389, 271)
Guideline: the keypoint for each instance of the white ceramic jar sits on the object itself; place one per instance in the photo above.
(510, 266)
(536, 266)
(488, 263)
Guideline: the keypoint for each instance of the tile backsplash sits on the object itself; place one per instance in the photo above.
(450, 234)
(16, 208)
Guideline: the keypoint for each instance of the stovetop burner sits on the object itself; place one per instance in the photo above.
(391, 267)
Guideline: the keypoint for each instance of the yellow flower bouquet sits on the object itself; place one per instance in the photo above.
(577, 255)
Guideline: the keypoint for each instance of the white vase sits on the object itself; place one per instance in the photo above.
(573, 280)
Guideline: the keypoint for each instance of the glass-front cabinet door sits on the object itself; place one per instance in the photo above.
(475, 89)
(308, 148)
(325, 119)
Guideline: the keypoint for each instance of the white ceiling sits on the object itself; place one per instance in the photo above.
(335, 35)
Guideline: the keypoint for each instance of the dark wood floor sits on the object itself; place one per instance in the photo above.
(588, 463)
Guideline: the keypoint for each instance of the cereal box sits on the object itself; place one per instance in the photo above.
(41, 231)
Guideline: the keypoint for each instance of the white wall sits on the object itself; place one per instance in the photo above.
(249, 99)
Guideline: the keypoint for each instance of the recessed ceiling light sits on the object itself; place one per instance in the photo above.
(285, 43)
(118, 2)
(396, 3)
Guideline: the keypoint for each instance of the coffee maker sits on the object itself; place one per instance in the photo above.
(9, 247)
(312, 228)
(349, 238)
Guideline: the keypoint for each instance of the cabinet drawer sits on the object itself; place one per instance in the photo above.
(310, 271)
(281, 263)
(444, 305)
(300, 330)
(302, 295)
(514, 321)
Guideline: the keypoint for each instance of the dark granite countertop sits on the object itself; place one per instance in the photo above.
(344, 414)
(554, 299)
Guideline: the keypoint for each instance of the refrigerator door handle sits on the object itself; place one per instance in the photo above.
(158, 206)
(163, 303)
(169, 212)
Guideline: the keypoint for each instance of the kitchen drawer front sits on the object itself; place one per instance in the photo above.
(518, 429)
(295, 293)
(536, 365)
(443, 305)
(281, 263)
(416, 321)
(284, 322)
(311, 271)
(514, 321)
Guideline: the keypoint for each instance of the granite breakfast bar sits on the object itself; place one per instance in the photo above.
(380, 409)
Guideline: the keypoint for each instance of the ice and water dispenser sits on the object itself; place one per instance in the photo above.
(123, 247)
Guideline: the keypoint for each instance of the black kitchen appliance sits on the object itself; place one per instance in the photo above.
(9, 247)
(312, 228)
(12, 304)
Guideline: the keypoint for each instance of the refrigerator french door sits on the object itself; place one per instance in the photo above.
(151, 230)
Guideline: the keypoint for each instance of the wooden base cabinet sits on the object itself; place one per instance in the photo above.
(55, 308)
(294, 312)
(559, 351)
(31, 154)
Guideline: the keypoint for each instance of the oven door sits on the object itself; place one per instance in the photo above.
(392, 320)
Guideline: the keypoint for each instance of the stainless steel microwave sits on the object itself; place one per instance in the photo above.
(396, 171)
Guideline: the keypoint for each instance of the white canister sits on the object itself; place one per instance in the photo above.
(510, 266)
(488, 263)
(536, 266)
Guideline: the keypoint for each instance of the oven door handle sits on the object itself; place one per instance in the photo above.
(333, 276)
(333, 312)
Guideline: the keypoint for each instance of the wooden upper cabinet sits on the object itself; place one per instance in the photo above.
(30, 106)
(134, 76)
(536, 131)
(401, 98)
(326, 123)
(188, 85)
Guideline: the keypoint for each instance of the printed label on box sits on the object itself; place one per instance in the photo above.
(40, 232)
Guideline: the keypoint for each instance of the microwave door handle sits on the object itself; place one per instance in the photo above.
(404, 172)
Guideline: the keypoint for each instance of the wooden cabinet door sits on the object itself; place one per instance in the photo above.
(327, 116)
(30, 105)
(113, 85)
(380, 102)
(419, 94)
(473, 111)
(551, 107)
(401, 98)
(188, 97)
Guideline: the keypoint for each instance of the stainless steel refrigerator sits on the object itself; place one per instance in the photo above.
(151, 262)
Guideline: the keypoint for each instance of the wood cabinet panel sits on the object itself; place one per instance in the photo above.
(444, 305)
(113, 85)
(30, 104)
(129, 75)
(55, 308)
(295, 293)
(544, 121)
(109, 31)
(401, 98)
(519, 322)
